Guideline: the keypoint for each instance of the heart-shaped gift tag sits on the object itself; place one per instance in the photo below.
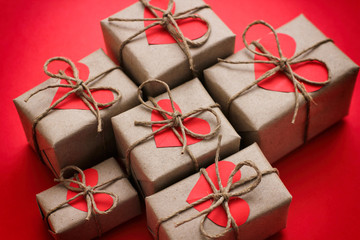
(239, 208)
(73, 101)
(103, 201)
(191, 28)
(311, 70)
(167, 138)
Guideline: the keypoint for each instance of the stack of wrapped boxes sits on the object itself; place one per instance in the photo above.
(166, 125)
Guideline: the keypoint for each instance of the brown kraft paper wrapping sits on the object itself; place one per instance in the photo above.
(70, 223)
(265, 116)
(156, 168)
(70, 136)
(269, 203)
(165, 61)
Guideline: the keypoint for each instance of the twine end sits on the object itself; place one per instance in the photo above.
(313, 101)
(294, 116)
(184, 148)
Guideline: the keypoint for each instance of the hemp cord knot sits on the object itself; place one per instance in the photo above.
(88, 190)
(80, 90)
(176, 118)
(166, 18)
(223, 193)
(282, 63)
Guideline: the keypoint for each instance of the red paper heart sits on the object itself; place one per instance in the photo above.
(73, 101)
(191, 28)
(314, 71)
(103, 201)
(167, 138)
(239, 208)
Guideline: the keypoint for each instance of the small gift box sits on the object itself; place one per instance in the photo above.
(91, 203)
(172, 136)
(67, 118)
(181, 39)
(285, 90)
(252, 202)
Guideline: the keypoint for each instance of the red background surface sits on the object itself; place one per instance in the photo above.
(323, 176)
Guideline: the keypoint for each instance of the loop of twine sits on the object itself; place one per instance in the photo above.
(168, 22)
(282, 64)
(87, 191)
(175, 120)
(221, 196)
(77, 86)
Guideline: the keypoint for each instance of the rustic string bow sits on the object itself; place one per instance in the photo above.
(86, 191)
(168, 22)
(80, 88)
(221, 196)
(282, 64)
(174, 121)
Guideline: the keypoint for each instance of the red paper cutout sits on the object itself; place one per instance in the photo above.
(73, 101)
(239, 208)
(191, 28)
(167, 138)
(314, 71)
(103, 201)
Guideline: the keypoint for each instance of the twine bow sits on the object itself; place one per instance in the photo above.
(80, 88)
(168, 22)
(86, 191)
(282, 64)
(221, 196)
(175, 121)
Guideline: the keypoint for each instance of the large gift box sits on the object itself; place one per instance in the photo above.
(103, 190)
(255, 199)
(297, 96)
(154, 53)
(155, 153)
(70, 133)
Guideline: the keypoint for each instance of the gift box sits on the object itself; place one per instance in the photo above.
(70, 133)
(154, 53)
(111, 191)
(266, 112)
(155, 154)
(258, 205)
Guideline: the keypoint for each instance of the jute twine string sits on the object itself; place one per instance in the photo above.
(221, 196)
(168, 22)
(80, 88)
(282, 64)
(86, 191)
(175, 121)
